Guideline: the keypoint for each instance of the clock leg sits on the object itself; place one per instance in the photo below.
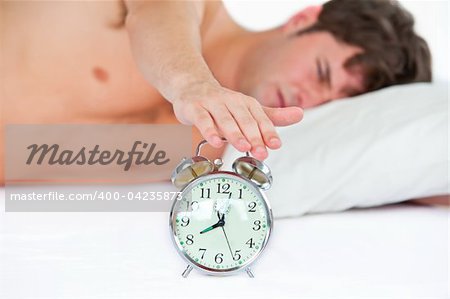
(187, 271)
(249, 272)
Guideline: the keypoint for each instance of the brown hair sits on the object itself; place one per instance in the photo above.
(393, 52)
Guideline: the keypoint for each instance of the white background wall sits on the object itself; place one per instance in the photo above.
(432, 22)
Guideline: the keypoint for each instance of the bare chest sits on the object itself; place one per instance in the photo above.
(70, 60)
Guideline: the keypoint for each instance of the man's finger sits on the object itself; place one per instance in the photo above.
(205, 124)
(270, 135)
(229, 128)
(249, 126)
(281, 117)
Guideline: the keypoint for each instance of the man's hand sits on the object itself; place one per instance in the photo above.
(166, 43)
(218, 111)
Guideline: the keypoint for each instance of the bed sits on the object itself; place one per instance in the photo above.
(398, 251)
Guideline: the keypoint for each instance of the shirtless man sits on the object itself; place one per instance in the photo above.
(188, 61)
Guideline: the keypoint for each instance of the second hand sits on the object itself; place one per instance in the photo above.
(226, 238)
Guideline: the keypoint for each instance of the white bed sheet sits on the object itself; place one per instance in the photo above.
(397, 251)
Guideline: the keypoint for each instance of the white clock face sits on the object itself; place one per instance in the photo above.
(221, 223)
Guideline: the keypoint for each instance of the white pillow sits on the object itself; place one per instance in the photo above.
(382, 147)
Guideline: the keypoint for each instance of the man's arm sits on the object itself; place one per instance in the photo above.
(166, 43)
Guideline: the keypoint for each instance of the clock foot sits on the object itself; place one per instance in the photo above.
(249, 272)
(187, 271)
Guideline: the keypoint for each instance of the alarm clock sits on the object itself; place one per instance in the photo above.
(222, 220)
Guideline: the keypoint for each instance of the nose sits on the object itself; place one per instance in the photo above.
(311, 95)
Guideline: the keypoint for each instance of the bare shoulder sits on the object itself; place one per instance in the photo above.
(210, 9)
(441, 200)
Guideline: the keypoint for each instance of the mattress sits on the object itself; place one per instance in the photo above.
(397, 251)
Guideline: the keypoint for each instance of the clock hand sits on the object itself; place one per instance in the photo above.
(221, 222)
(226, 238)
(212, 227)
(223, 229)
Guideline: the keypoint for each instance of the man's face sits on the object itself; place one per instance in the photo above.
(306, 71)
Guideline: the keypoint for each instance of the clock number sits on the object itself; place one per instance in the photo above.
(236, 256)
(252, 206)
(193, 205)
(206, 194)
(224, 189)
(185, 221)
(204, 250)
(250, 243)
(240, 193)
(219, 258)
(189, 239)
(257, 224)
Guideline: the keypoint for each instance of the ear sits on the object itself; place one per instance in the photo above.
(302, 19)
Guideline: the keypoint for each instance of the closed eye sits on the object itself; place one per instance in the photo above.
(323, 72)
(327, 74)
(320, 71)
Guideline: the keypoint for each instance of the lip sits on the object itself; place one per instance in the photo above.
(281, 100)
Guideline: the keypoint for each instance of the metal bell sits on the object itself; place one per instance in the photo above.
(254, 170)
(190, 169)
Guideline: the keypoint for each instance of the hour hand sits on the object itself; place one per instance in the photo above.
(219, 223)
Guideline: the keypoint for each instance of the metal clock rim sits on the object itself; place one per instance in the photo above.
(236, 269)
